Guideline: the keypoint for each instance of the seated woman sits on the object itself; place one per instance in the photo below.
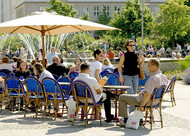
(77, 62)
(106, 64)
(40, 71)
(23, 70)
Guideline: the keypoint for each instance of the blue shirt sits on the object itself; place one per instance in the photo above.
(50, 57)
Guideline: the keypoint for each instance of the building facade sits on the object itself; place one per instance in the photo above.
(11, 9)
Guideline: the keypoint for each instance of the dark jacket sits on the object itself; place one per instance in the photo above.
(58, 69)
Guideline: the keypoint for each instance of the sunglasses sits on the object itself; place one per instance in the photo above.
(131, 45)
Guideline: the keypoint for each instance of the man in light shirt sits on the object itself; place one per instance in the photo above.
(156, 80)
(97, 91)
(51, 55)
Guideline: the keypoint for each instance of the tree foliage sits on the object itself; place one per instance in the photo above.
(103, 17)
(129, 20)
(62, 8)
(173, 19)
(85, 17)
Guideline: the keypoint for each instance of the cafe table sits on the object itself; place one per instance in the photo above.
(116, 87)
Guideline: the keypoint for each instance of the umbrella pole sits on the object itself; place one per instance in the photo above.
(43, 49)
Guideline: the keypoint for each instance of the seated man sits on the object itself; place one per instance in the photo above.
(97, 91)
(56, 68)
(5, 64)
(156, 80)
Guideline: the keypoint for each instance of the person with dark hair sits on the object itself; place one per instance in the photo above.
(23, 70)
(40, 71)
(156, 80)
(130, 74)
(99, 94)
(14, 64)
(96, 65)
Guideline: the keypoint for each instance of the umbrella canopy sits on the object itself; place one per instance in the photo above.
(45, 23)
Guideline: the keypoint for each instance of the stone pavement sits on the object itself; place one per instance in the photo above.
(176, 122)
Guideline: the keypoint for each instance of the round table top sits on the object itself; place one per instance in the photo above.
(116, 87)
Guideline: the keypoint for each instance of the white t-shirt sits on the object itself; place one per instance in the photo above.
(93, 66)
(44, 74)
(6, 66)
(93, 84)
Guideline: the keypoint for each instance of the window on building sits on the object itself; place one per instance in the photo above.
(96, 10)
(107, 10)
(85, 10)
(117, 9)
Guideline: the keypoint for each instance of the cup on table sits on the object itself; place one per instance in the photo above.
(21, 78)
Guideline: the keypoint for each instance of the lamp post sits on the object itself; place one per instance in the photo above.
(142, 22)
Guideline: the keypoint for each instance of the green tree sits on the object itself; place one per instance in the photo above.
(85, 17)
(129, 20)
(61, 8)
(173, 20)
(103, 17)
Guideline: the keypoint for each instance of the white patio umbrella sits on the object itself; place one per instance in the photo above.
(45, 23)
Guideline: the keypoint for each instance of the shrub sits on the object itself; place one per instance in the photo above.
(171, 74)
(186, 76)
(184, 64)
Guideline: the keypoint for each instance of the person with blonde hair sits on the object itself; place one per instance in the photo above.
(106, 64)
(77, 62)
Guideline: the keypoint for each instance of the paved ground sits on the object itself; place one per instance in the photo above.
(176, 122)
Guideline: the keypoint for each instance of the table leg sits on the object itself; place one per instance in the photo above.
(116, 118)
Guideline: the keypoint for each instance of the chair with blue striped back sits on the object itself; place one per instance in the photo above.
(53, 95)
(73, 74)
(35, 93)
(65, 88)
(3, 75)
(14, 88)
(82, 94)
(170, 90)
(113, 79)
(155, 102)
(103, 73)
(6, 71)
